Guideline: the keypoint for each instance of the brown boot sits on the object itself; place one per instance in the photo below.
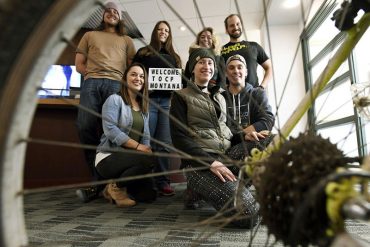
(118, 195)
(107, 195)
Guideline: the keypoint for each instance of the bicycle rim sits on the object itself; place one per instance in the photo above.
(40, 26)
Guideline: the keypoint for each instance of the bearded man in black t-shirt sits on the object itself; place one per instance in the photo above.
(252, 52)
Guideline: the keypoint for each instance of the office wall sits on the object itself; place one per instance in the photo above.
(288, 86)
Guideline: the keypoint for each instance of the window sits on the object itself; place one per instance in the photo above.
(320, 66)
(333, 115)
(362, 59)
(334, 104)
(325, 32)
(344, 136)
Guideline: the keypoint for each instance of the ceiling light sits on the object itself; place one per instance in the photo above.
(182, 28)
(289, 4)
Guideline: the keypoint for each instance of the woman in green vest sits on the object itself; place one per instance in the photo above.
(201, 131)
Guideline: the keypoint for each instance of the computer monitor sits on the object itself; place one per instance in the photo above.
(59, 81)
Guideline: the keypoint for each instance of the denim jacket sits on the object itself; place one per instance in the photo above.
(117, 123)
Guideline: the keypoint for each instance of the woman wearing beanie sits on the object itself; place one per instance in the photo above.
(202, 109)
(160, 55)
(207, 39)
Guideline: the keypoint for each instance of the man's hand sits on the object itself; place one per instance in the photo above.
(222, 172)
(256, 136)
(252, 135)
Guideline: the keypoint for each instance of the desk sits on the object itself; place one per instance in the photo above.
(46, 165)
(58, 102)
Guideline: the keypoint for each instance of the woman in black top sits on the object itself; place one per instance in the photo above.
(160, 55)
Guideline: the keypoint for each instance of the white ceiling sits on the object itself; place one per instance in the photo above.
(145, 13)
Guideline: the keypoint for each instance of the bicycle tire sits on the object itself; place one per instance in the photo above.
(36, 45)
(31, 41)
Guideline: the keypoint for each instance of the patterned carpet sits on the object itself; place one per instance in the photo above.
(59, 219)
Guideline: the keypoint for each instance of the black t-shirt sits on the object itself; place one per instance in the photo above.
(253, 54)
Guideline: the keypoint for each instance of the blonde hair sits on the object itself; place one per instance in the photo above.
(215, 44)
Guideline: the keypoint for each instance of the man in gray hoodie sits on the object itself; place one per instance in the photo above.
(250, 118)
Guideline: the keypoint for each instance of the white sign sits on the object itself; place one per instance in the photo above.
(164, 79)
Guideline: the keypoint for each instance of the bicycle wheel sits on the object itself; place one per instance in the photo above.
(40, 26)
(31, 39)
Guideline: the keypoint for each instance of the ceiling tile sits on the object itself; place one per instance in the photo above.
(216, 8)
(184, 8)
(145, 13)
(251, 6)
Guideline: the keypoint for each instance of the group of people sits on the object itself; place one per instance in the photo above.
(220, 114)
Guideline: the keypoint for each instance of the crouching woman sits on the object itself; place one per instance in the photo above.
(126, 127)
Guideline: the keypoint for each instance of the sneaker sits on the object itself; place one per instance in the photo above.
(166, 190)
(87, 194)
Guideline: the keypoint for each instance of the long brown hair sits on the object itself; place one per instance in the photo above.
(155, 44)
(142, 96)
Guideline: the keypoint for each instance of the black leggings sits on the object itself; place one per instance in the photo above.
(123, 165)
(221, 195)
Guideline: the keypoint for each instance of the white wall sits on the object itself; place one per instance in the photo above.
(284, 40)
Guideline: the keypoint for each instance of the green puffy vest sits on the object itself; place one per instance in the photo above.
(211, 133)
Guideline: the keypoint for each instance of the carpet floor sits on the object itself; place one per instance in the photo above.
(58, 218)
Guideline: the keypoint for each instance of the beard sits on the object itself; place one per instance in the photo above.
(109, 25)
(237, 84)
(236, 35)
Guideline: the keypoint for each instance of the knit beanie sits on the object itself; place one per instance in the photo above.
(236, 57)
(198, 54)
(112, 5)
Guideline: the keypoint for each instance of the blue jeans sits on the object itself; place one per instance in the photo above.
(159, 126)
(93, 94)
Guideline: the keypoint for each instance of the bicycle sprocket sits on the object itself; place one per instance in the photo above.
(289, 175)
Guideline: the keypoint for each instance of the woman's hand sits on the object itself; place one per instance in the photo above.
(222, 172)
(144, 148)
(132, 144)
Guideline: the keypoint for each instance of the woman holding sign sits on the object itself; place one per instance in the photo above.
(163, 65)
